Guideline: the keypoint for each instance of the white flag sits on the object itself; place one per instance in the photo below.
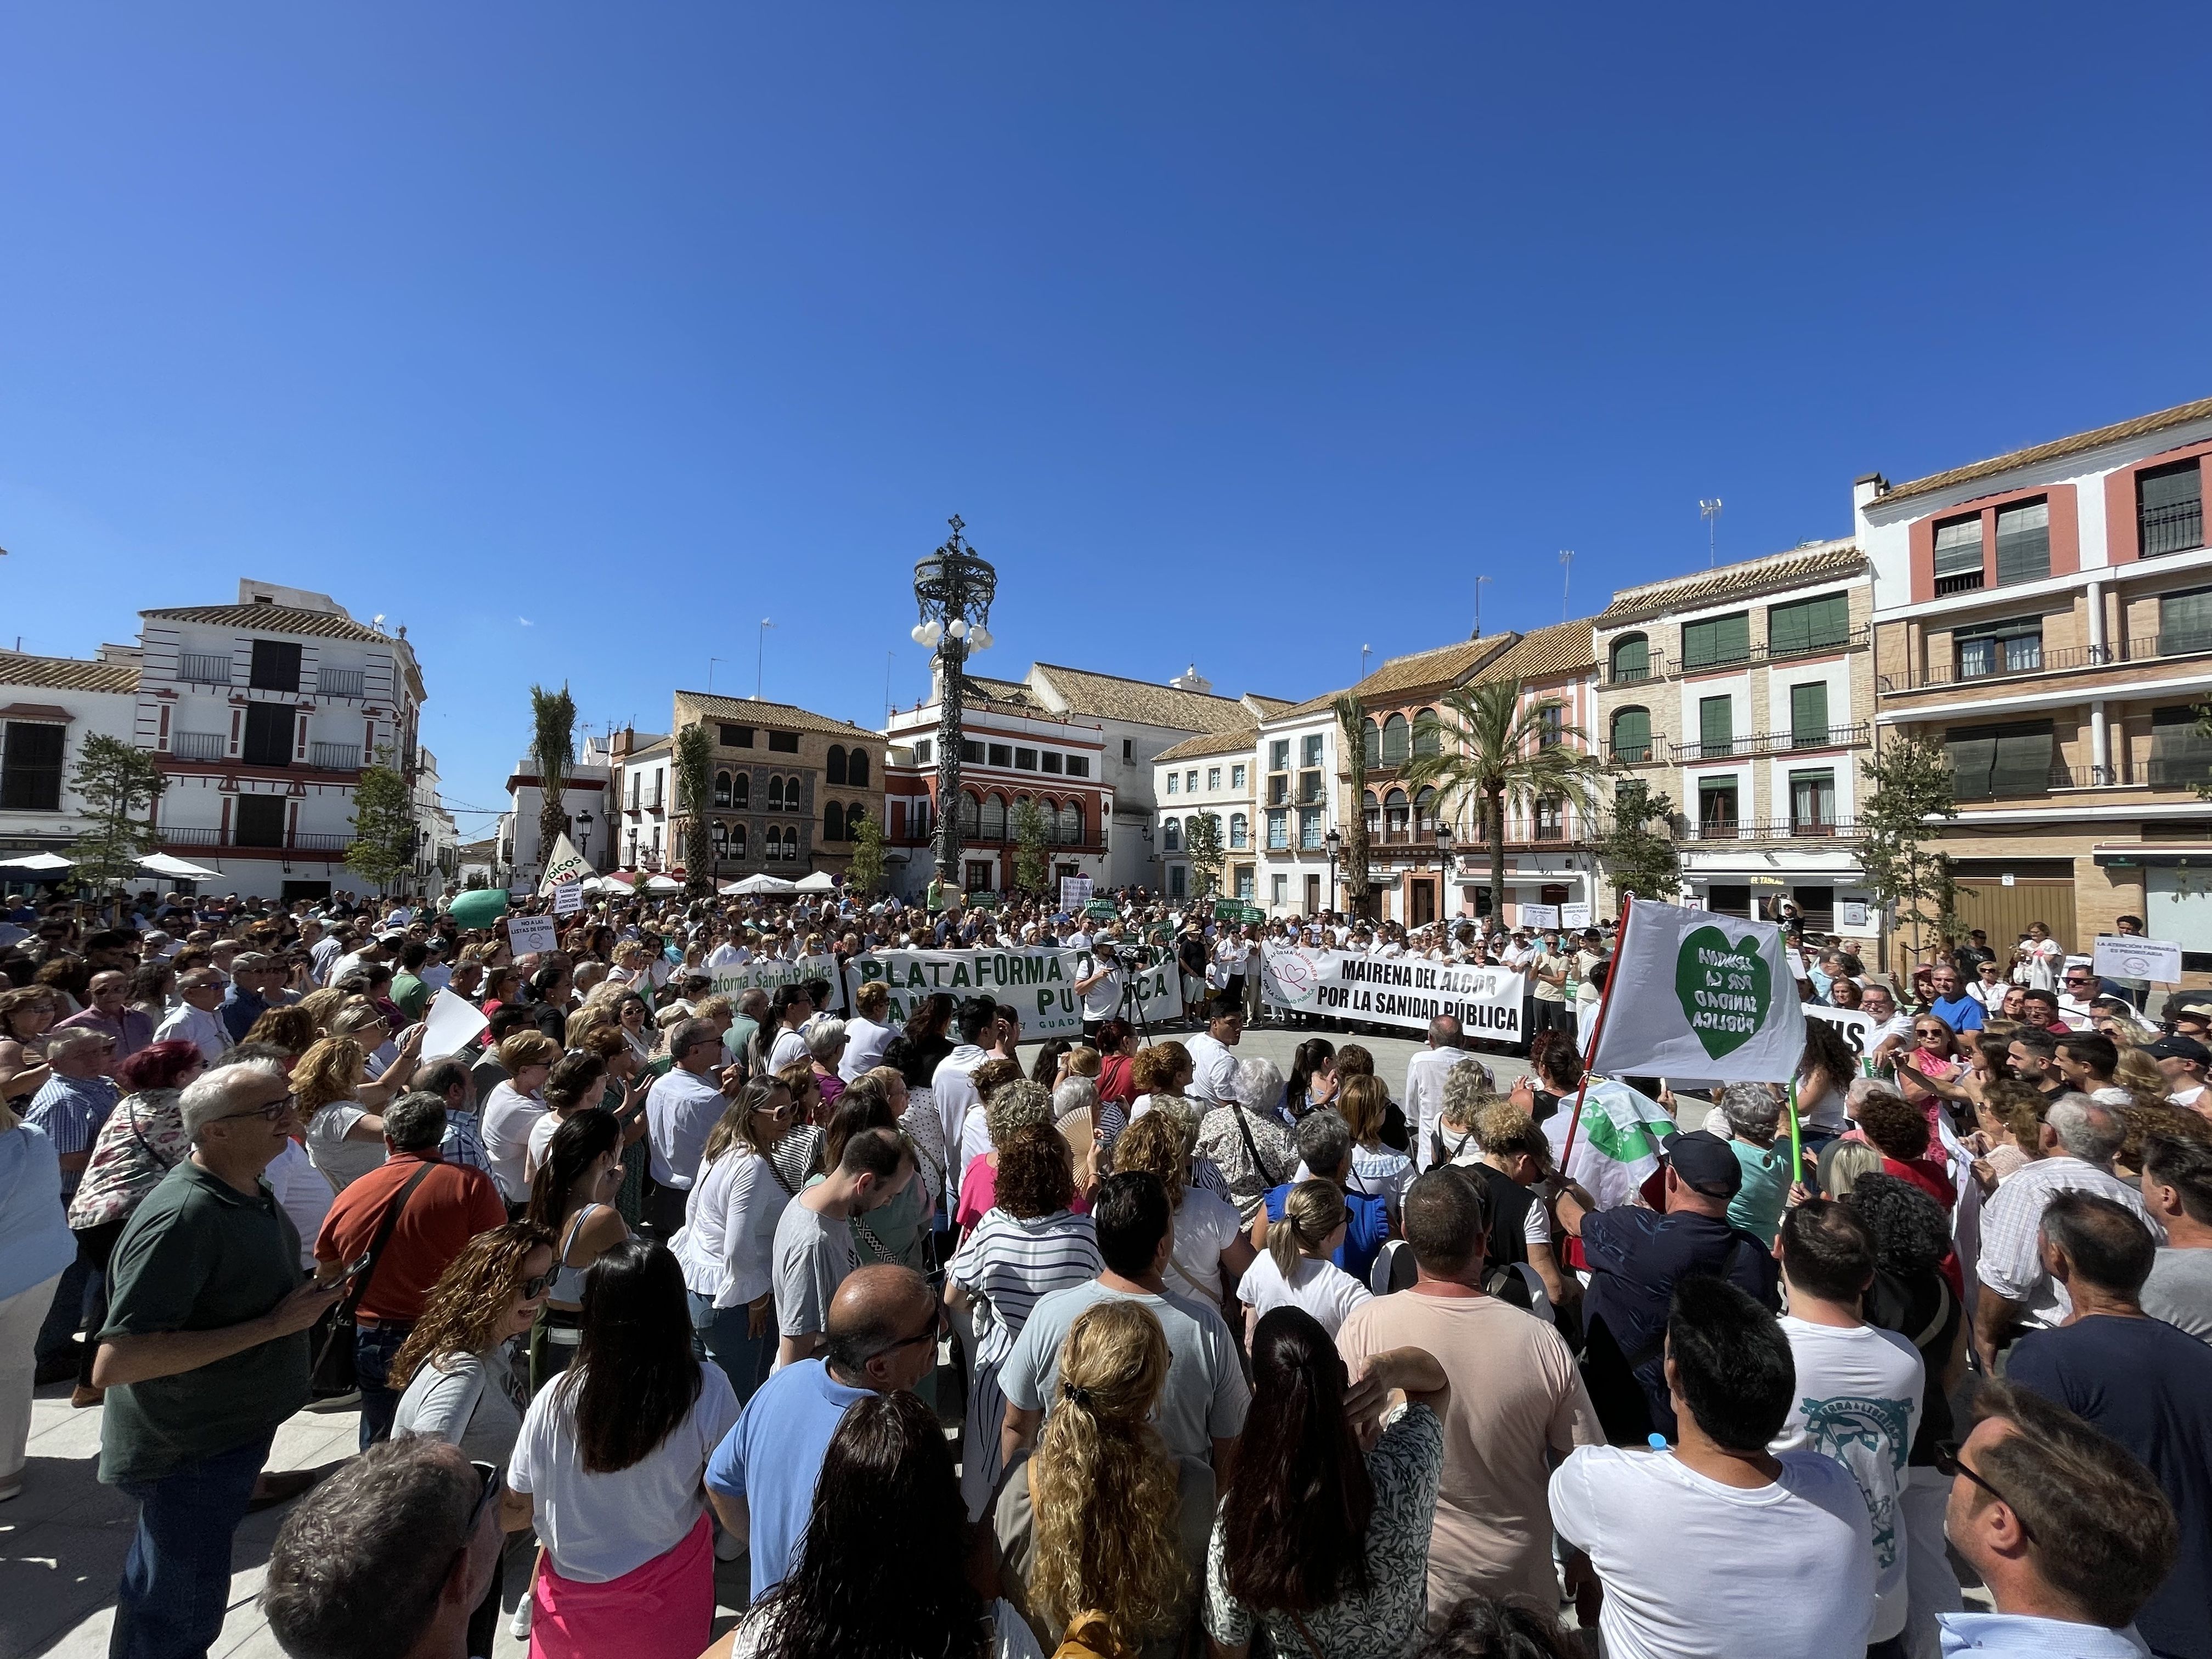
(566, 865)
(1696, 994)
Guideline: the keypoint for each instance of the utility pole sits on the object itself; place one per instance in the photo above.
(1566, 580)
(1479, 581)
(1710, 511)
(711, 661)
(760, 657)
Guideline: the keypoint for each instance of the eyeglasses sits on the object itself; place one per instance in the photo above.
(1949, 1463)
(270, 1113)
(534, 1288)
(929, 1333)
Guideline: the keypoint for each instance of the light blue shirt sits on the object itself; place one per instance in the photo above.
(773, 1456)
(2020, 1636)
(35, 1241)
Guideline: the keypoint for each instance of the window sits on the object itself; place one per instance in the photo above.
(1371, 814)
(268, 736)
(2023, 543)
(1425, 812)
(737, 843)
(1002, 754)
(1716, 808)
(1995, 762)
(1550, 818)
(1716, 726)
(1309, 749)
(1812, 803)
(979, 875)
(834, 767)
(833, 822)
(1809, 715)
(1715, 640)
(1247, 883)
(1631, 734)
(31, 766)
(736, 737)
(721, 788)
(775, 794)
(1395, 812)
(1371, 738)
(1279, 889)
(1279, 833)
(1631, 659)
(1171, 834)
(1310, 828)
(1190, 781)
(1212, 777)
(856, 768)
(1127, 748)
(1803, 625)
(275, 666)
(2005, 647)
(922, 751)
(1026, 760)
(784, 743)
(994, 820)
(258, 821)
(1175, 783)
(1309, 787)
(1079, 766)
(2170, 508)
(1178, 880)
(1050, 761)
(1279, 755)
(1428, 736)
(2181, 755)
(971, 817)
(1240, 831)
(972, 751)
(635, 780)
(741, 790)
(2185, 622)
(1071, 823)
(1279, 788)
(1236, 774)
(1396, 740)
(1550, 726)
(1958, 554)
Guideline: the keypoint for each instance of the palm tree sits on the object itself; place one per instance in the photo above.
(552, 752)
(1496, 753)
(1351, 723)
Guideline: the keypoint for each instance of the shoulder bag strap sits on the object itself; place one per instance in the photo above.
(1943, 1313)
(1252, 1146)
(383, 1237)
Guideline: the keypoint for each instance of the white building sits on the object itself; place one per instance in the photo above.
(48, 707)
(263, 713)
(1211, 776)
(585, 796)
(1294, 767)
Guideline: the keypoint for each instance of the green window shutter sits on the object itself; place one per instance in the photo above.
(2185, 622)
(1802, 625)
(2023, 760)
(1716, 639)
(1631, 734)
(1632, 658)
(1715, 724)
(1973, 751)
(1809, 713)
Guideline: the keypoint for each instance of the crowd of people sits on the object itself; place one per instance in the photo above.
(1098, 1345)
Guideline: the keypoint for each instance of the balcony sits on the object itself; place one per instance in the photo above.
(2176, 527)
(339, 682)
(301, 842)
(1650, 753)
(1773, 743)
(334, 757)
(197, 745)
(1764, 651)
(1964, 581)
(1655, 668)
(2024, 660)
(197, 668)
(1719, 829)
(2052, 779)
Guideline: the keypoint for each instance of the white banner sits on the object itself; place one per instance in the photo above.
(1074, 893)
(2124, 956)
(1697, 995)
(1040, 983)
(527, 934)
(1402, 990)
(766, 973)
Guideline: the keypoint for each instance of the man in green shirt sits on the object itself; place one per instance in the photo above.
(410, 991)
(203, 1355)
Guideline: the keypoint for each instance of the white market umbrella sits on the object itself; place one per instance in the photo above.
(762, 884)
(161, 863)
(44, 863)
(820, 882)
(663, 885)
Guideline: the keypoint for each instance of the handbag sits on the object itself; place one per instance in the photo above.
(332, 1373)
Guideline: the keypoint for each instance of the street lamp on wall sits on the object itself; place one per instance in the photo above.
(1334, 841)
(953, 588)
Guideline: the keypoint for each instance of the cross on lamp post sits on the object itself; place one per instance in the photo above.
(953, 588)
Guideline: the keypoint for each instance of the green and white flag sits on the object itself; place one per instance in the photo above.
(1694, 994)
(1616, 1143)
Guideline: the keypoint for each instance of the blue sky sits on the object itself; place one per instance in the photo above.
(1240, 335)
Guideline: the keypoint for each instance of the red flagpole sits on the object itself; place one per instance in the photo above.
(1597, 1029)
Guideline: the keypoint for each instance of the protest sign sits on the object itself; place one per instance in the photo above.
(1038, 980)
(2123, 956)
(1540, 916)
(569, 898)
(529, 933)
(450, 1024)
(1074, 893)
(1403, 991)
(567, 864)
(766, 973)
(1696, 994)
(1104, 910)
(1857, 1028)
(1854, 915)
(1574, 916)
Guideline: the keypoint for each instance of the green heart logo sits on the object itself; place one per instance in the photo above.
(1726, 990)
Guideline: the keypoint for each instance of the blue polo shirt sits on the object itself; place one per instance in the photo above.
(772, 1457)
(1961, 1013)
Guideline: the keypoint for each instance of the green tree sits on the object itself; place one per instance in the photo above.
(864, 875)
(1497, 754)
(1351, 745)
(383, 846)
(1914, 787)
(1202, 843)
(693, 764)
(1032, 847)
(1640, 859)
(552, 752)
(119, 785)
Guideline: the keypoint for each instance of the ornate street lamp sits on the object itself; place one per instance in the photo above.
(1444, 859)
(1334, 841)
(954, 587)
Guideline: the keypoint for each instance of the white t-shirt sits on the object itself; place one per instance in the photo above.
(1858, 1399)
(1101, 1000)
(303, 1192)
(343, 1161)
(507, 1119)
(788, 1048)
(1205, 1224)
(1322, 1288)
(598, 1526)
(1694, 1569)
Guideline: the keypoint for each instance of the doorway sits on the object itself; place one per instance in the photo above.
(1313, 896)
(1421, 903)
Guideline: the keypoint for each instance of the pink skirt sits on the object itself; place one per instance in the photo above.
(662, 1610)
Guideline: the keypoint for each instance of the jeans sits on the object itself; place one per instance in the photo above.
(374, 1347)
(176, 1580)
(721, 1330)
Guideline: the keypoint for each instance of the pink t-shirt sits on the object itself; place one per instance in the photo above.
(979, 1191)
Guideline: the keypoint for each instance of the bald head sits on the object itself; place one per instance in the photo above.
(873, 1320)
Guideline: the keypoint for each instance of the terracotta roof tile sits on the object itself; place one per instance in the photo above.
(1546, 653)
(1212, 742)
(1109, 696)
(2142, 426)
(1774, 574)
(67, 673)
(751, 711)
(277, 619)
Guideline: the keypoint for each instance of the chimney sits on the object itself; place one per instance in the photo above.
(1866, 491)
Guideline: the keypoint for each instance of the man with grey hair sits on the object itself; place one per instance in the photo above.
(390, 1559)
(449, 1079)
(1424, 1086)
(252, 977)
(69, 1108)
(680, 1110)
(195, 1019)
(2079, 1138)
(203, 1356)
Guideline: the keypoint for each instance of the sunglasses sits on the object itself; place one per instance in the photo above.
(1949, 1464)
(535, 1287)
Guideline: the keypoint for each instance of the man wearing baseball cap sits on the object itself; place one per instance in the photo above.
(1636, 1258)
(2183, 1061)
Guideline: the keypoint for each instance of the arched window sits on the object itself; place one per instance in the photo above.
(1171, 836)
(1393, 815)
(1631, 734)
(1372, 810)
(771, 849)
(994, 820)
(1428, 736)
(1425, 811)
(737, 841)
(833, 822)
(856, 768)
(1632, 658)
(1394, 740)
(971, 817)
(774, 793)
(835, 769)
(1240, 831)
(721, 788)
(741, 789)
(1371, 743)
(1071, 823)
(720, 835)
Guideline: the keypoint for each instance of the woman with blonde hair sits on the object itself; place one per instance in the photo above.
(322, 1006)
(1211, 1251)
(1376, 1169)
(1102, 1531)
(512, 1108)
(26, 1015)
(344, 1138)
(1164, 1071)
(1295, 1270)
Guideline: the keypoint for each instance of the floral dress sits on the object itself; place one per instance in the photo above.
(143, 1140)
